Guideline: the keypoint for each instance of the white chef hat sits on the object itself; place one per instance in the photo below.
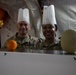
(49, 15)
(23, 15)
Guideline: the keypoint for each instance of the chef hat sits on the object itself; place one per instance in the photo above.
(49, 15)
(23, 15)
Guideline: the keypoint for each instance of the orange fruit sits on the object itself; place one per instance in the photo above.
(11, 45)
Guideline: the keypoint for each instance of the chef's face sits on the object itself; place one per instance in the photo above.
(23, 28)
(48, 31)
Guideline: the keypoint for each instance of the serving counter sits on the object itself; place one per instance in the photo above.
(21, 63)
